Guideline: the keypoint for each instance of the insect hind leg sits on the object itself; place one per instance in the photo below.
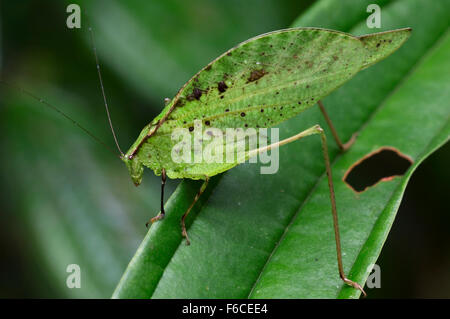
(196, 198)
(342, 146)
(316, 129)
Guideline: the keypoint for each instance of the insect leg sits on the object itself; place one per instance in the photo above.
(334, 212)
(163, 212)
(316, 129)
(183, 226)
(342, 146)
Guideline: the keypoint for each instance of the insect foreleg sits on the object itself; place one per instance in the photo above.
(183, 226)
(163, 212)
(341, 145)
(316, 129)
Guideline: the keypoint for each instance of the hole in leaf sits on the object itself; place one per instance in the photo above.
(381, 165)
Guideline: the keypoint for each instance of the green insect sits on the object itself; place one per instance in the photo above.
(257, 84)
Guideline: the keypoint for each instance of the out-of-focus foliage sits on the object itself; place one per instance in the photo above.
(155, 46)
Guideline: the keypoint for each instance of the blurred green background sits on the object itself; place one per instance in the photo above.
(65, 199)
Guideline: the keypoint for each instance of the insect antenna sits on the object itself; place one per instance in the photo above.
(54, 108)
(103, 91)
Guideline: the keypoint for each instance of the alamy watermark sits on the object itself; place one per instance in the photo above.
(374, 278)
(197, 144)
(74, 279)
(374, 20)
(74, 18)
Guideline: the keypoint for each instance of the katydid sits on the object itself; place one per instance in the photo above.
(257, 84)
(260, 83)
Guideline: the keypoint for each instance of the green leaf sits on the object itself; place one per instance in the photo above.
(270, 236)
(152, 46)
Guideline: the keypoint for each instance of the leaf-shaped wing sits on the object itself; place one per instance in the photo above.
(381, 45)
(258, 84)
(267, 79)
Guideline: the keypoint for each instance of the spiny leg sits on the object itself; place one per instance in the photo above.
(199, 193)
(342, 146)
(318, 130)
(163, 212)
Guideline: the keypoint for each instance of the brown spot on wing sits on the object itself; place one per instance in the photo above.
(256, 75)
(196, 94)
(222, 86)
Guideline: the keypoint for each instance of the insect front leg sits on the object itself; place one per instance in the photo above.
(163, 212)
(183, 225)
(311, 131)
(342, 146)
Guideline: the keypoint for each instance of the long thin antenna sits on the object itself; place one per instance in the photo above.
(103, 91)
(54, 108)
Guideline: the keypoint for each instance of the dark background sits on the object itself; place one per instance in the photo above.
(57, 185)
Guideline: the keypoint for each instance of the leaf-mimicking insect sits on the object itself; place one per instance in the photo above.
(258, 84)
